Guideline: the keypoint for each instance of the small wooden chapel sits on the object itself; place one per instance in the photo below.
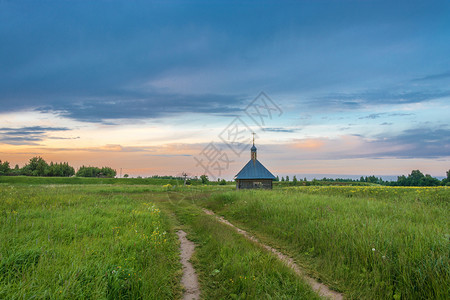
(254, 175)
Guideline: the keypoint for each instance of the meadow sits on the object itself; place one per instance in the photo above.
(118, 240)
(368, 242)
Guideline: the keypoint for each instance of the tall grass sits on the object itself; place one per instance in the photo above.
(369, 242)
(79, 242)
(231, 267)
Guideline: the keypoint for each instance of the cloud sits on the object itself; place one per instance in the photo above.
(63, 138)
(309, 144)
(280, 129)
(416, 143)
(373, 116)
(26, 135)
(141, 106)
(434, 77)
(401, 114)
(350, 101)
(90, 62)
(428, 143)
(379, 115)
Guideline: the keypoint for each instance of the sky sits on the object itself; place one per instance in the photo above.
(168, 87)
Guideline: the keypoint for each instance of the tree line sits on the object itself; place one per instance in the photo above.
(416, 178)
(37, 166)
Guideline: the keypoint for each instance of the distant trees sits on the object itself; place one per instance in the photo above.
(96, 172)
(125, 176)
(37, 166)
(4, 168)
(60, 170)
(371, 179)
(446, 181)
(204, 179)
(416, 178)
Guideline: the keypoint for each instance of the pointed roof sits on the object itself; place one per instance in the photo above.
(254, 170)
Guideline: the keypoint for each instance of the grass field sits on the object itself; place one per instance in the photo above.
(86, 180)
(368, 242)
(67, 242)
(118, 241)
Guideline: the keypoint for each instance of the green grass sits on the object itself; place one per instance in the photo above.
(110, 241)
(34, 180)
(31, 180)
(85, 242)
(113, 242)
(231, 267)
(369, 242)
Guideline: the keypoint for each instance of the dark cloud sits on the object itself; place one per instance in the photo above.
(373, 116)
(417, 143)
(85, 58)
(434, 77)
(151, 106)
(26, 135)
(33, 129)
(358, 100)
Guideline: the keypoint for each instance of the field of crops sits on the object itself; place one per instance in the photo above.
(118, 241)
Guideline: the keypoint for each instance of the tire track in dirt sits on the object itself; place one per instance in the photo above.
(189, 279)
(318, 287)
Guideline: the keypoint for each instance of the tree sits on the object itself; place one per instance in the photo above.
(430, 181)
(223, 182)
(204, 179)
(96, 172)
(107, 172)
(16, 170)
(125, 176)
(416, 178)
(36, 167)
(277, 179)
(446, 181)
(294, 180)
(287, 178)
(60, 170)
(4, 168)
(282, 178)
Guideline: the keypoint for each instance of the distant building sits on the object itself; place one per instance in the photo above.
(254, 175)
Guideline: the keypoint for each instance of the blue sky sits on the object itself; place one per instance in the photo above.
(145, 85)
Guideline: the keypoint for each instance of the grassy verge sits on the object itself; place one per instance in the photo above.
(83, 242)
(229, 266)
(34, 180)
(369, 242)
